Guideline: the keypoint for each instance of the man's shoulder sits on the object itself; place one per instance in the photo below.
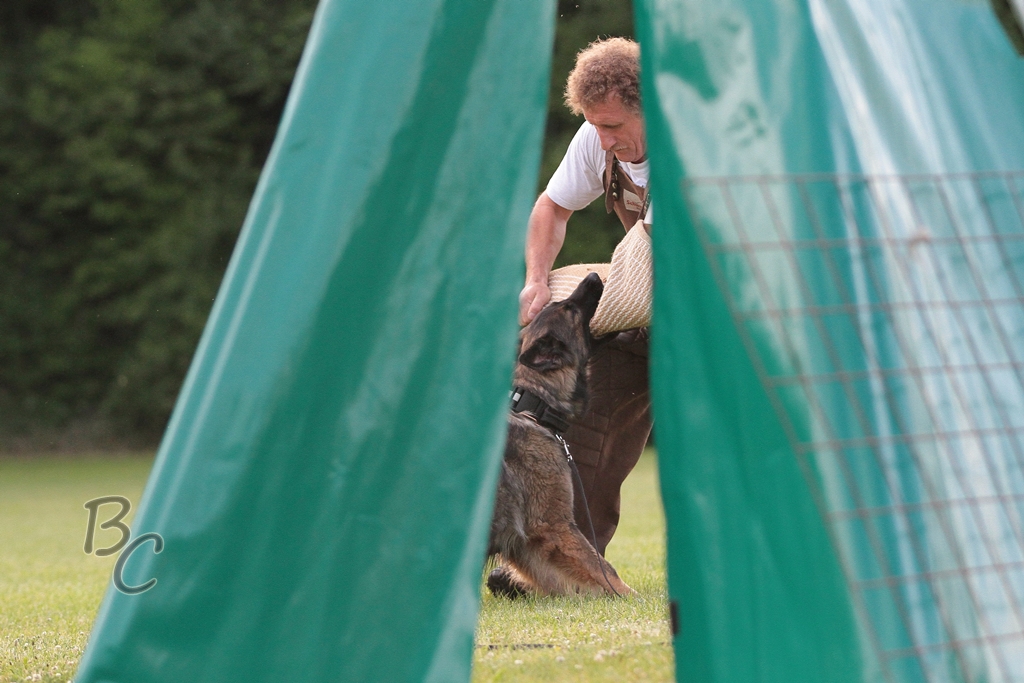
(578, 179)
(586, 148)
(588, 139)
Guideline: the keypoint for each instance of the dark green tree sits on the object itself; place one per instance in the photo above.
(132, 133)
(132, 138)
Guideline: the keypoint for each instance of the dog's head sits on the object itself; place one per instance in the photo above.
(555, 346)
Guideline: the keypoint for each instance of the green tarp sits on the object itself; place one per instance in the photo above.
(838, 337)
(325, 485)
(838, 365)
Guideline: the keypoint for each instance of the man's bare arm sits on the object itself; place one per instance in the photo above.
(544, 238)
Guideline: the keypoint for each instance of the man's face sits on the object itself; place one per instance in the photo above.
(620, 130)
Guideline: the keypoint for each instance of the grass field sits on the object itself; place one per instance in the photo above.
(591, 639)
(50, 589)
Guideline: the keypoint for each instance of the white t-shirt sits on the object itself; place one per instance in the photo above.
(578, 180)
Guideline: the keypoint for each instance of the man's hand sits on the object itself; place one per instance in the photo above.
(534, 297)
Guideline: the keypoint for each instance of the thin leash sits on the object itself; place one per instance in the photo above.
(586, 508)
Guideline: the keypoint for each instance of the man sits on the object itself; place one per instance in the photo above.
(607, 155)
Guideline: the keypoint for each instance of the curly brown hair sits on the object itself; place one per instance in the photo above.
(603, 68)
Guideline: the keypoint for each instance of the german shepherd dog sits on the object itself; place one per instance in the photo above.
(533, 529)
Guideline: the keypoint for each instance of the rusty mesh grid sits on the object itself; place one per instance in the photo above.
(885, 318)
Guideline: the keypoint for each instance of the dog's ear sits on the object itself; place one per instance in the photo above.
(545, 354)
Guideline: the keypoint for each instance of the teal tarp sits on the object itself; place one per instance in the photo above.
(325, 485)
(837, 336)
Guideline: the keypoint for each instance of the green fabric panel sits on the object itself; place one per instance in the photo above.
(787, 413)
(324, 488)
(760, 594)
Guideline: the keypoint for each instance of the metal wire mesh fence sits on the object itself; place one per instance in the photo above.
(885, 318)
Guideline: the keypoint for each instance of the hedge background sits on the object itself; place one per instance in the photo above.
(132, 134)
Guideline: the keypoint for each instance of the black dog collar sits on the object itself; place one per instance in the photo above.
(525, 401)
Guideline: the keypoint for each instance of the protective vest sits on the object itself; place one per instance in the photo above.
(622, 195)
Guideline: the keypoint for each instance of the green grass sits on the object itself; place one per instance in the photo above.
(591, 639)
(50, 589)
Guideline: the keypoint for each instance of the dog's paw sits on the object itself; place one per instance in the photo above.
(502, 584)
